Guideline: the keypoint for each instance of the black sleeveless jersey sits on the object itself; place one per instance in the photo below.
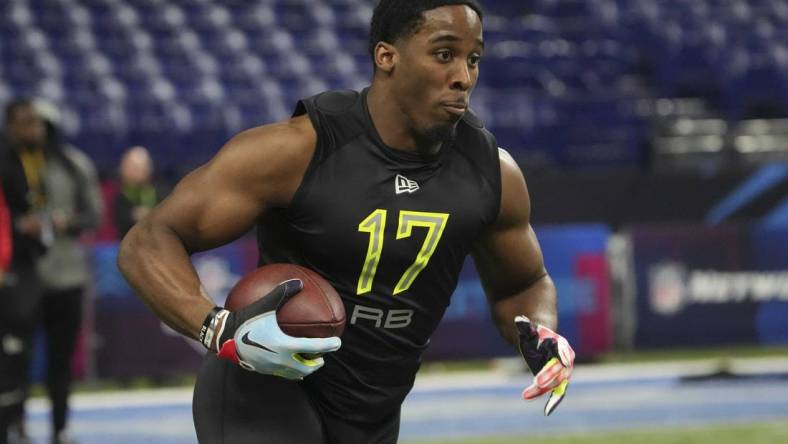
(390, 230)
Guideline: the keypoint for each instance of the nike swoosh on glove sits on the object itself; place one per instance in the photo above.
(251, 337)
(549, 357)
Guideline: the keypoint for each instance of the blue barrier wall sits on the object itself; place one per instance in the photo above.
(575, 258)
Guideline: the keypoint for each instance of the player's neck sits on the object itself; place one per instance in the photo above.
(393, 125)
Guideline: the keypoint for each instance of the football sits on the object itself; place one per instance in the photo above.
(316, 311)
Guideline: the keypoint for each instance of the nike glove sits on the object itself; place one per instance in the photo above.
(251, 337)
(549, 357)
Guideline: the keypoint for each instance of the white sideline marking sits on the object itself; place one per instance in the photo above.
(510, 370)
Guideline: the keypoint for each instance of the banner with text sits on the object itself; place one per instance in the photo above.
(709, 286)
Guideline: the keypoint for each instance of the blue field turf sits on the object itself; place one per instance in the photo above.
(465, 406)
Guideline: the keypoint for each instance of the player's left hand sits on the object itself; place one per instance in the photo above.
(549, 357)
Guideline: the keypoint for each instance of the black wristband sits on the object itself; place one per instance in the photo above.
(209, 327)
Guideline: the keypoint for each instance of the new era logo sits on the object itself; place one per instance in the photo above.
(404, 185)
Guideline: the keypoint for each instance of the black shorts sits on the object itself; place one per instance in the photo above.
(235, 406)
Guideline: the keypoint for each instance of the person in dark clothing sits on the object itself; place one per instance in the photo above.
(383, 192)
(21, 166)
(6, 252)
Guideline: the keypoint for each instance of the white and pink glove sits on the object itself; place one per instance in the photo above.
(549, 357)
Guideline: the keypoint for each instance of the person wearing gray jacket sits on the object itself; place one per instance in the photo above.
(73, 205)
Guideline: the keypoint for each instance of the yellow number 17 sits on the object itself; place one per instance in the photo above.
(375, 225)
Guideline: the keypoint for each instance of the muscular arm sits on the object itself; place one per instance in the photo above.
(510, 261)
(258, 169)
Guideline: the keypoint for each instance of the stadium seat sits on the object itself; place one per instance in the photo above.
(221, 66)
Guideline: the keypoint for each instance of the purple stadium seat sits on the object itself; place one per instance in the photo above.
(220, 66)
(320, 41)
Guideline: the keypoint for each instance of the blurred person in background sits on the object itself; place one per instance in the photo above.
(69, 201)
(6, 245)
(6, 250)
(137, 194)
(22, 150)
(73, 204)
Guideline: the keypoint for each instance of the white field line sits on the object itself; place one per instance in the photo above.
(511, 371)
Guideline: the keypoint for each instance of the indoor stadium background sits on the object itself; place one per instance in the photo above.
(653, 136)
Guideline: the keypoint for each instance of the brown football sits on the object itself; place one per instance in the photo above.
(316, 311)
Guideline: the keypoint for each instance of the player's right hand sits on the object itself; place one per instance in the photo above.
(251, 337)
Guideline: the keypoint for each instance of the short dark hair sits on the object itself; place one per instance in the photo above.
(394, 19)
(14, 105)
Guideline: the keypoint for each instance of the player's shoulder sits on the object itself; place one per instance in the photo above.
(506, 158)
(329, 103)
(338, 117)
(269, 160)
(296, 132)
(336, 102)
(281, 145)
(510, 169)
